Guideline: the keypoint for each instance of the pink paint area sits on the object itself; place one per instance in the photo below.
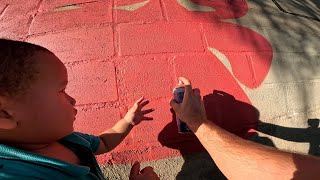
(114, 56)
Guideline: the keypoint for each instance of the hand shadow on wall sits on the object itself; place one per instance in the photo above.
(225, 111)
(310, 134)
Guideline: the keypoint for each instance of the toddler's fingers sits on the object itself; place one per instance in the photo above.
(144, 104)
(139, 100)
(147, 170)
(135, 169)
(147, 111)
(147, 118)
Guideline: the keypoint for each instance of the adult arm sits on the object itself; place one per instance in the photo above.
(238, 158)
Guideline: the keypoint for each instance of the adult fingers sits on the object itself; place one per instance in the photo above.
(175, 106)
(196, 91)
(203, 109)
(187, 84)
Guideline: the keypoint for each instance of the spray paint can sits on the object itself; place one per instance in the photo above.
(178, 94)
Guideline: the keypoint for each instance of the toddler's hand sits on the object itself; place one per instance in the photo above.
(145, 174)
(135, 114)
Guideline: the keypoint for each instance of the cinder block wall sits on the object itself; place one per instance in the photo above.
(117, 51)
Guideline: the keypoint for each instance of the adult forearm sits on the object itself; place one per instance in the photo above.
(241, 159)
(114, 136)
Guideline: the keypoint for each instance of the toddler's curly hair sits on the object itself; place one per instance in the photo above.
(17, 66)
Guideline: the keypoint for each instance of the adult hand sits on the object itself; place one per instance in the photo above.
(146, 173)
(191, 110)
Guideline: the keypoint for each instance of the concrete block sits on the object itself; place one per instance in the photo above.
(208, 74)
(159, 38)
(95, 121)
(256, 20)
(303, 96)
(298, 66)
(293, 40)
(71, 16)
(16, 28)
(274, 74)
(148, 76)
(231, 37)
(137, 11)
(250, 68)
(10, 9)
(204, 11)
(269, 99)
(78, 45)
(93, 82)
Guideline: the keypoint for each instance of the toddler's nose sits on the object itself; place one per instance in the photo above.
(72, 100)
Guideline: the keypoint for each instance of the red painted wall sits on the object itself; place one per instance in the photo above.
(127, 54)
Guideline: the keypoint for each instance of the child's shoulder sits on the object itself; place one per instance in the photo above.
(83, 139)
(11, 168)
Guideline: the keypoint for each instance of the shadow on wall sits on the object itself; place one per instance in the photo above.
(310, 135)
(289, 33)
(225, 111)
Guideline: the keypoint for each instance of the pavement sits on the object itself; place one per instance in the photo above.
(255, 63)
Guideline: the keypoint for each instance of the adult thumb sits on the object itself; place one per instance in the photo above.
(175, 106)
(135, 170)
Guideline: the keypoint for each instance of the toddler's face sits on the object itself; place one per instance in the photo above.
(46, 113)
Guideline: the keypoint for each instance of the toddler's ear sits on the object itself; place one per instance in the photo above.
(6, 121)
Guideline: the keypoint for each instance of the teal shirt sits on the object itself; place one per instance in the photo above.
(20, 164)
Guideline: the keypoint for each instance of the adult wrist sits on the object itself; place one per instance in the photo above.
(195, 124)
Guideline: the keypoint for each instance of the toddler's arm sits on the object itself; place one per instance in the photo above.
(112, 137)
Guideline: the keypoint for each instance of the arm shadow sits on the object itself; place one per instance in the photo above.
(309, 135)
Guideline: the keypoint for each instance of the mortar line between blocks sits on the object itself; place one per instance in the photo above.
(163, 10)
(203, 36)
(113, 11)
(116, 79)
(4, 11)
(116, 39)
(173, 65)
(117, 89)
(248, 56)
(32, 17)
(286, 99)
